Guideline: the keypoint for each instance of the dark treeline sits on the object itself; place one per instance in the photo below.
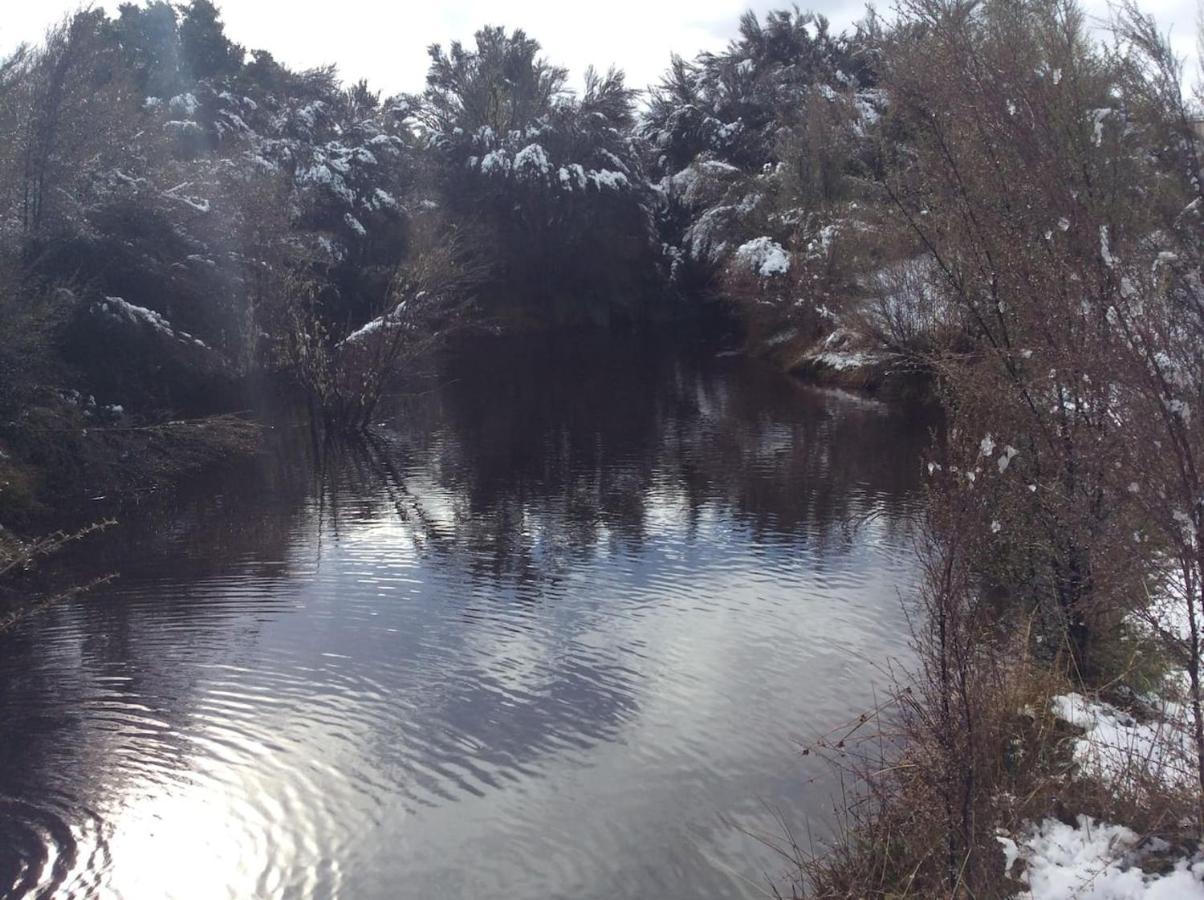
(989, 192)
(182, 218)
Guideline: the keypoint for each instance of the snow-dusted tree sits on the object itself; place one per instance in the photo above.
(772, 141)
(556, 178)
(1151, 289)
(733, 104)
(1057, 190)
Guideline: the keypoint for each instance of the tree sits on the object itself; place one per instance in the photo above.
(732, 104)
(1054, 188)
(502, 85)
(557, 180)
(205, 51)
(150, 41)
(75, 102)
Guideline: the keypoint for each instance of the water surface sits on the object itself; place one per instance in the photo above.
(555, 630)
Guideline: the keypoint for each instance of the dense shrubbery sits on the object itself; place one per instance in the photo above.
(773, 144)
(556, 180)
(1054, 187)
(171, 190)
(171, 194)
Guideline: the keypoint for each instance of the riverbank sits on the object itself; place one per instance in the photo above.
(1050, 790)
(70, 480)
(62, 467)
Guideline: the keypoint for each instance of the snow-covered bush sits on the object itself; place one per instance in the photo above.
(556, 179)
(771, 139)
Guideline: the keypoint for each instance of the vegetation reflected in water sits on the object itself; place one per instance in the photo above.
(551, 631)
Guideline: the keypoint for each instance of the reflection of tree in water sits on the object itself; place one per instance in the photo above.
(553, 452)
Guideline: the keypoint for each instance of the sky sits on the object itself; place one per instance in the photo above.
(385, 41)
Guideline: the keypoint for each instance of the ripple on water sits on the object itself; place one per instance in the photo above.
(470, 657)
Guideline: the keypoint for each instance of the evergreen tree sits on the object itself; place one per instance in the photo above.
(150, 40)
(205, 51)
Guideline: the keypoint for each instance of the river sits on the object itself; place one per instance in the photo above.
(559, 628)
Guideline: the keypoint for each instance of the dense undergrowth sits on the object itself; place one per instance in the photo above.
(990, 199)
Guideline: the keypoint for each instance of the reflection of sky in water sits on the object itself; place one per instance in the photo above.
(524, 662)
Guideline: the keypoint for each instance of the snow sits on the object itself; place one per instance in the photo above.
(387, 141)
(200, 204)
(120, 309)
(326, 174)
(782, 337)
(1093, 861)
(182, 128)
(827, 92)
(726, 132)
(183, 105)
(605, 178)
(717, 168)
(376, 325)
(841, 360)
(532, 162)
(262, 162)
(307, 115)
(572, 176)
(365, 331)
(870, 103)
(613, 160)
(495, 161)
(1115, 747)
(1179, 408)
(692, 181)
(236, 120)
(1105, 247)
(764, 256)
(384, 199)
(354, 224)
(821, 243)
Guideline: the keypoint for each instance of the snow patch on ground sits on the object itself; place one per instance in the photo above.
(1093, 861)
(1116, 747)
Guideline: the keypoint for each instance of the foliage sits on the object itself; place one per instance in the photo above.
(734, 104)
(556, 180)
